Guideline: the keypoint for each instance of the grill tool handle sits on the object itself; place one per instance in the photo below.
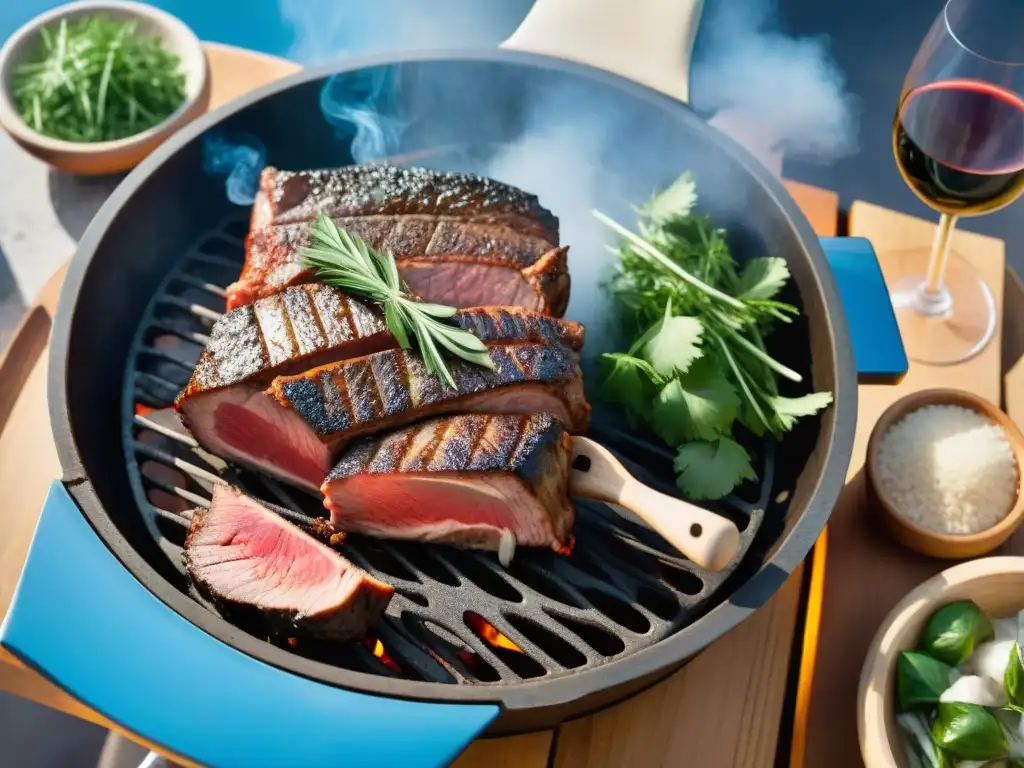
(878, 352)
(709, 540)
(647, 41)
(81, 619)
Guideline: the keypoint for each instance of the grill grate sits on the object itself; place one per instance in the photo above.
(458, 617)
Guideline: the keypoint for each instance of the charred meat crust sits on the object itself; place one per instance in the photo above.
(352, 397)
(289, 331)
(513, 469)
(472, 442)
(360, 190)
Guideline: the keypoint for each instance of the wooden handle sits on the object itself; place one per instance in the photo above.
(709, 540)
(648, 41)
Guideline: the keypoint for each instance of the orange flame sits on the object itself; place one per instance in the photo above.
(489, 632)
(142, 410)
(567, 548)
(376, 647)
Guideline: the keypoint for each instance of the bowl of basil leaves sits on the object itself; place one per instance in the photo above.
(943, 682)
(94, 86)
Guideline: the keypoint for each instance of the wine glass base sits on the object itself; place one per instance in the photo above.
(946, 328)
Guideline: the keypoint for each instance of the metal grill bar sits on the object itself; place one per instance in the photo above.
(547, 615)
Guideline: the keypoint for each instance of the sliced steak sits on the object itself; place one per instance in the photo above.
(246, 558)
(290, 197)
(304, 327)
(442, 259)
(462, 480)
(389, 389)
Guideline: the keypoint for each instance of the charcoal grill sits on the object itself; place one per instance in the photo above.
(466, 647)
(622, 589)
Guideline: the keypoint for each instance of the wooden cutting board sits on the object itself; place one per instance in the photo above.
(858, 573)
(723, 709)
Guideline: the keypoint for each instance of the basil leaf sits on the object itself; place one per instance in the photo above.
(968, 731)
(954, 631)
(1013, 679)
(920, 680)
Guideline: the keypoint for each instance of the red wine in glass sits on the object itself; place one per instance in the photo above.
(958, 138)
(959, 144)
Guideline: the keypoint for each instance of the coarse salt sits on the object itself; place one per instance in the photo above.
(948, 469)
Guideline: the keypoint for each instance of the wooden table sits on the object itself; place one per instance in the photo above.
(723, 709)
(858, 573)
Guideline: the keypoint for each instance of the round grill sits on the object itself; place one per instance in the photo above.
(457, 617)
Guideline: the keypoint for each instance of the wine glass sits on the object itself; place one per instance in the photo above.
(958, 138)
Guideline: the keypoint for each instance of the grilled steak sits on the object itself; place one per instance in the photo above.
(246, 558)
(458, 239)
(441, 259)
(304, 327)
(290, 197)
(388, 389)
(294, 429)
(461, 480)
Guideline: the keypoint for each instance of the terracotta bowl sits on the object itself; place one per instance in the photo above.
(996, 584)
(105, 156)
(932, 543)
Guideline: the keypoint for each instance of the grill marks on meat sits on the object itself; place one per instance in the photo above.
(392, 388)
(247, 559)
(311, 325)
(458, 239)
(460, 480)
(226, 409)
(303, 327)
(289, 197)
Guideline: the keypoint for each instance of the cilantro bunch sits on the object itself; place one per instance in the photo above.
(699, 364)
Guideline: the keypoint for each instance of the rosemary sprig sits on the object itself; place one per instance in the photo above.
(345, 261)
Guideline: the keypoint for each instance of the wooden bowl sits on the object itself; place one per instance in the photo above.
(932, 543)
(996, 584)
(105, 156)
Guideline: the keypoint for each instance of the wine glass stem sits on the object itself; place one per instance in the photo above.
(934, 299)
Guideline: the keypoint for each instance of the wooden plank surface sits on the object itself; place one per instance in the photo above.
(866, 573)
(675, 720)
(725, 707)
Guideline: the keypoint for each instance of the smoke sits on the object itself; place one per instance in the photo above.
(772, 92)
(239, 157)
(361, 107)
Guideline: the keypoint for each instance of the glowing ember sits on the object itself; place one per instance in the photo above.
(142, 410)
(570, 543)
(488, 632)
(376, 647)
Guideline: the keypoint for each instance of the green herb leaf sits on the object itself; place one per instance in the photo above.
(675, 343)
(699, 405)
(968, 731)
(1013, 680)
(630, 382)
(676, 201)
(687, 302)
(710, 470)
(762, 278)
(954, 631)
(789, 409)
(920, 680)
(92, 78)
(345, 261)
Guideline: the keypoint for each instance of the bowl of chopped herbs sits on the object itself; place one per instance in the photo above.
(92, 87)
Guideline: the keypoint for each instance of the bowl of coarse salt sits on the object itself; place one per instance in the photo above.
(944, 471)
